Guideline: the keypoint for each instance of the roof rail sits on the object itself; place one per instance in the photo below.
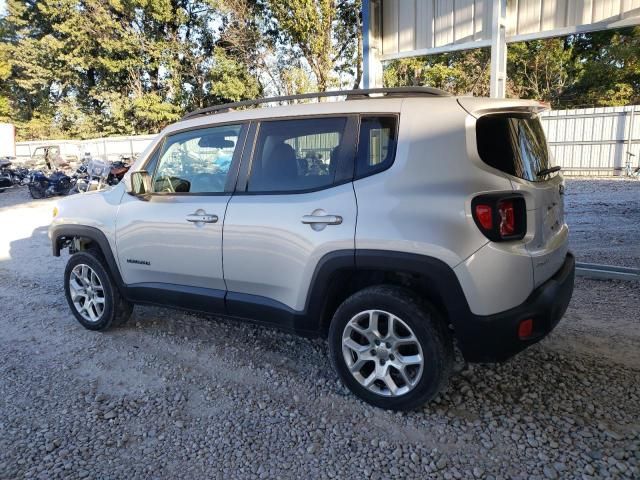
(350, 94)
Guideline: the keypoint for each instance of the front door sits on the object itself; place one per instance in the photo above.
(171, 239)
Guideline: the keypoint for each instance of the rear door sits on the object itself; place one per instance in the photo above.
(294, 204)
(515, 144)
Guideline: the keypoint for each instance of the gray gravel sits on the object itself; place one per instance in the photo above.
(604, 216)
(178, 395)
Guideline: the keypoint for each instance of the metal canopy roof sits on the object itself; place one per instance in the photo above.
(410, 27)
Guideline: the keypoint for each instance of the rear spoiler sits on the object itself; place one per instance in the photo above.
(477, 106)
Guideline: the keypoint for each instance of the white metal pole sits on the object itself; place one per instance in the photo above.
(498, 49)
(372, 66)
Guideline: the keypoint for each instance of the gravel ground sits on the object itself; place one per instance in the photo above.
(604, 216)
(178, 395)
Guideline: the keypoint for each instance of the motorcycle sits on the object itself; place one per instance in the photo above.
(5, 178)
(10, 176)
(118, 170)
(42, 185)
(95, 174)
(92, 175)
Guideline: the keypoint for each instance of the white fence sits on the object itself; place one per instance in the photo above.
(109, 148)
(586, 141)
(594, 141)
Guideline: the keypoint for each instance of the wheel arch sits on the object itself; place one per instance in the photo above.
(63, 235)
(336, 278)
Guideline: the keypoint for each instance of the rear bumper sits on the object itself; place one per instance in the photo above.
(494, 338)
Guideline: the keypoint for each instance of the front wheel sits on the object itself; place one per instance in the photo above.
(37, 191)
(390, 347)
(92, 295)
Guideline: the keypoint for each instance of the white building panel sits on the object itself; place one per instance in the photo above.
(417, 27)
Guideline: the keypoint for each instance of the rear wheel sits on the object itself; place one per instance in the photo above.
(390, 347)
(92, 295)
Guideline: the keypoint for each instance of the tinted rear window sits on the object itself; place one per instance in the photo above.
(513, 144)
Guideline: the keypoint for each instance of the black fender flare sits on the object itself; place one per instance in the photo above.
(442, 280)
(95, 235)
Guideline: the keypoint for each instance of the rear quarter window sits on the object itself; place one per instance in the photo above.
(514, 144)
(376, 145)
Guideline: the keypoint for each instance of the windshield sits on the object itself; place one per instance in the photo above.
(514, 144)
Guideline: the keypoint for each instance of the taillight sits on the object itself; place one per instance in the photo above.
(485, 216)
(507, 214)
(500, 217)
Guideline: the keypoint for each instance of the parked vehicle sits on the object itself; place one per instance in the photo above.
(43, 184)
(92, 175)
(118, 170)
(96, 174)
(10, 175)
(6, 180)
(433, 221)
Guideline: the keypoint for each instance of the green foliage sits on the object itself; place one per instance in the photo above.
(539, 69)
(607, 70)
(230, 79)
(596, 69)
(324, 33)
(81, 68)
(465, 72)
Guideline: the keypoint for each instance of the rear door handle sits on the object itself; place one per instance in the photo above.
(322, 219)
(199, 217)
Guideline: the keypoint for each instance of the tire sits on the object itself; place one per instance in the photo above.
(114, 311)
(36, 191)
(418, 330)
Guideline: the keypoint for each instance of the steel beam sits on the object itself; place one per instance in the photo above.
(607, 272)
(498, 81)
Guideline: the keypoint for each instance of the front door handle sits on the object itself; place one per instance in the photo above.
(202, 217)
(322, 219)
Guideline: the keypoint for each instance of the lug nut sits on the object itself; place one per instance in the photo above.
(388, 345)
(373, 352)
(377, 342)
(392, 357)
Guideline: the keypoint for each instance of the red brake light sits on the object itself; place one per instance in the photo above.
(507, 218)
(485, 216)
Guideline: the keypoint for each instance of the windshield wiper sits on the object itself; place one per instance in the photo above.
(547, 171)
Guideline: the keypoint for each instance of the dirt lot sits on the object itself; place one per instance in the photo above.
(177, 395)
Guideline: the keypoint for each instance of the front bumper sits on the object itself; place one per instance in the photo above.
(494, 338)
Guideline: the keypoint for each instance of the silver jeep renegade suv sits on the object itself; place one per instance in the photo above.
(399, 223)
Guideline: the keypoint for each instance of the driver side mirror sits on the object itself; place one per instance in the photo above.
(139, 183)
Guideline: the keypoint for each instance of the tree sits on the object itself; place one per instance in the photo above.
(325, 33)
(464, 72)
(5, 73)
(539, 69)
(607, 69)
(595, 69)
(90, 67)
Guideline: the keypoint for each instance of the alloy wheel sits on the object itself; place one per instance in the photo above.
(382, 353)
(87, 293)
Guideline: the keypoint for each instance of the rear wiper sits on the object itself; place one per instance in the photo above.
(547, 171)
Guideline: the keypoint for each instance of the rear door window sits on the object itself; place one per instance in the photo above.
(514, 144)
(299, 155)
